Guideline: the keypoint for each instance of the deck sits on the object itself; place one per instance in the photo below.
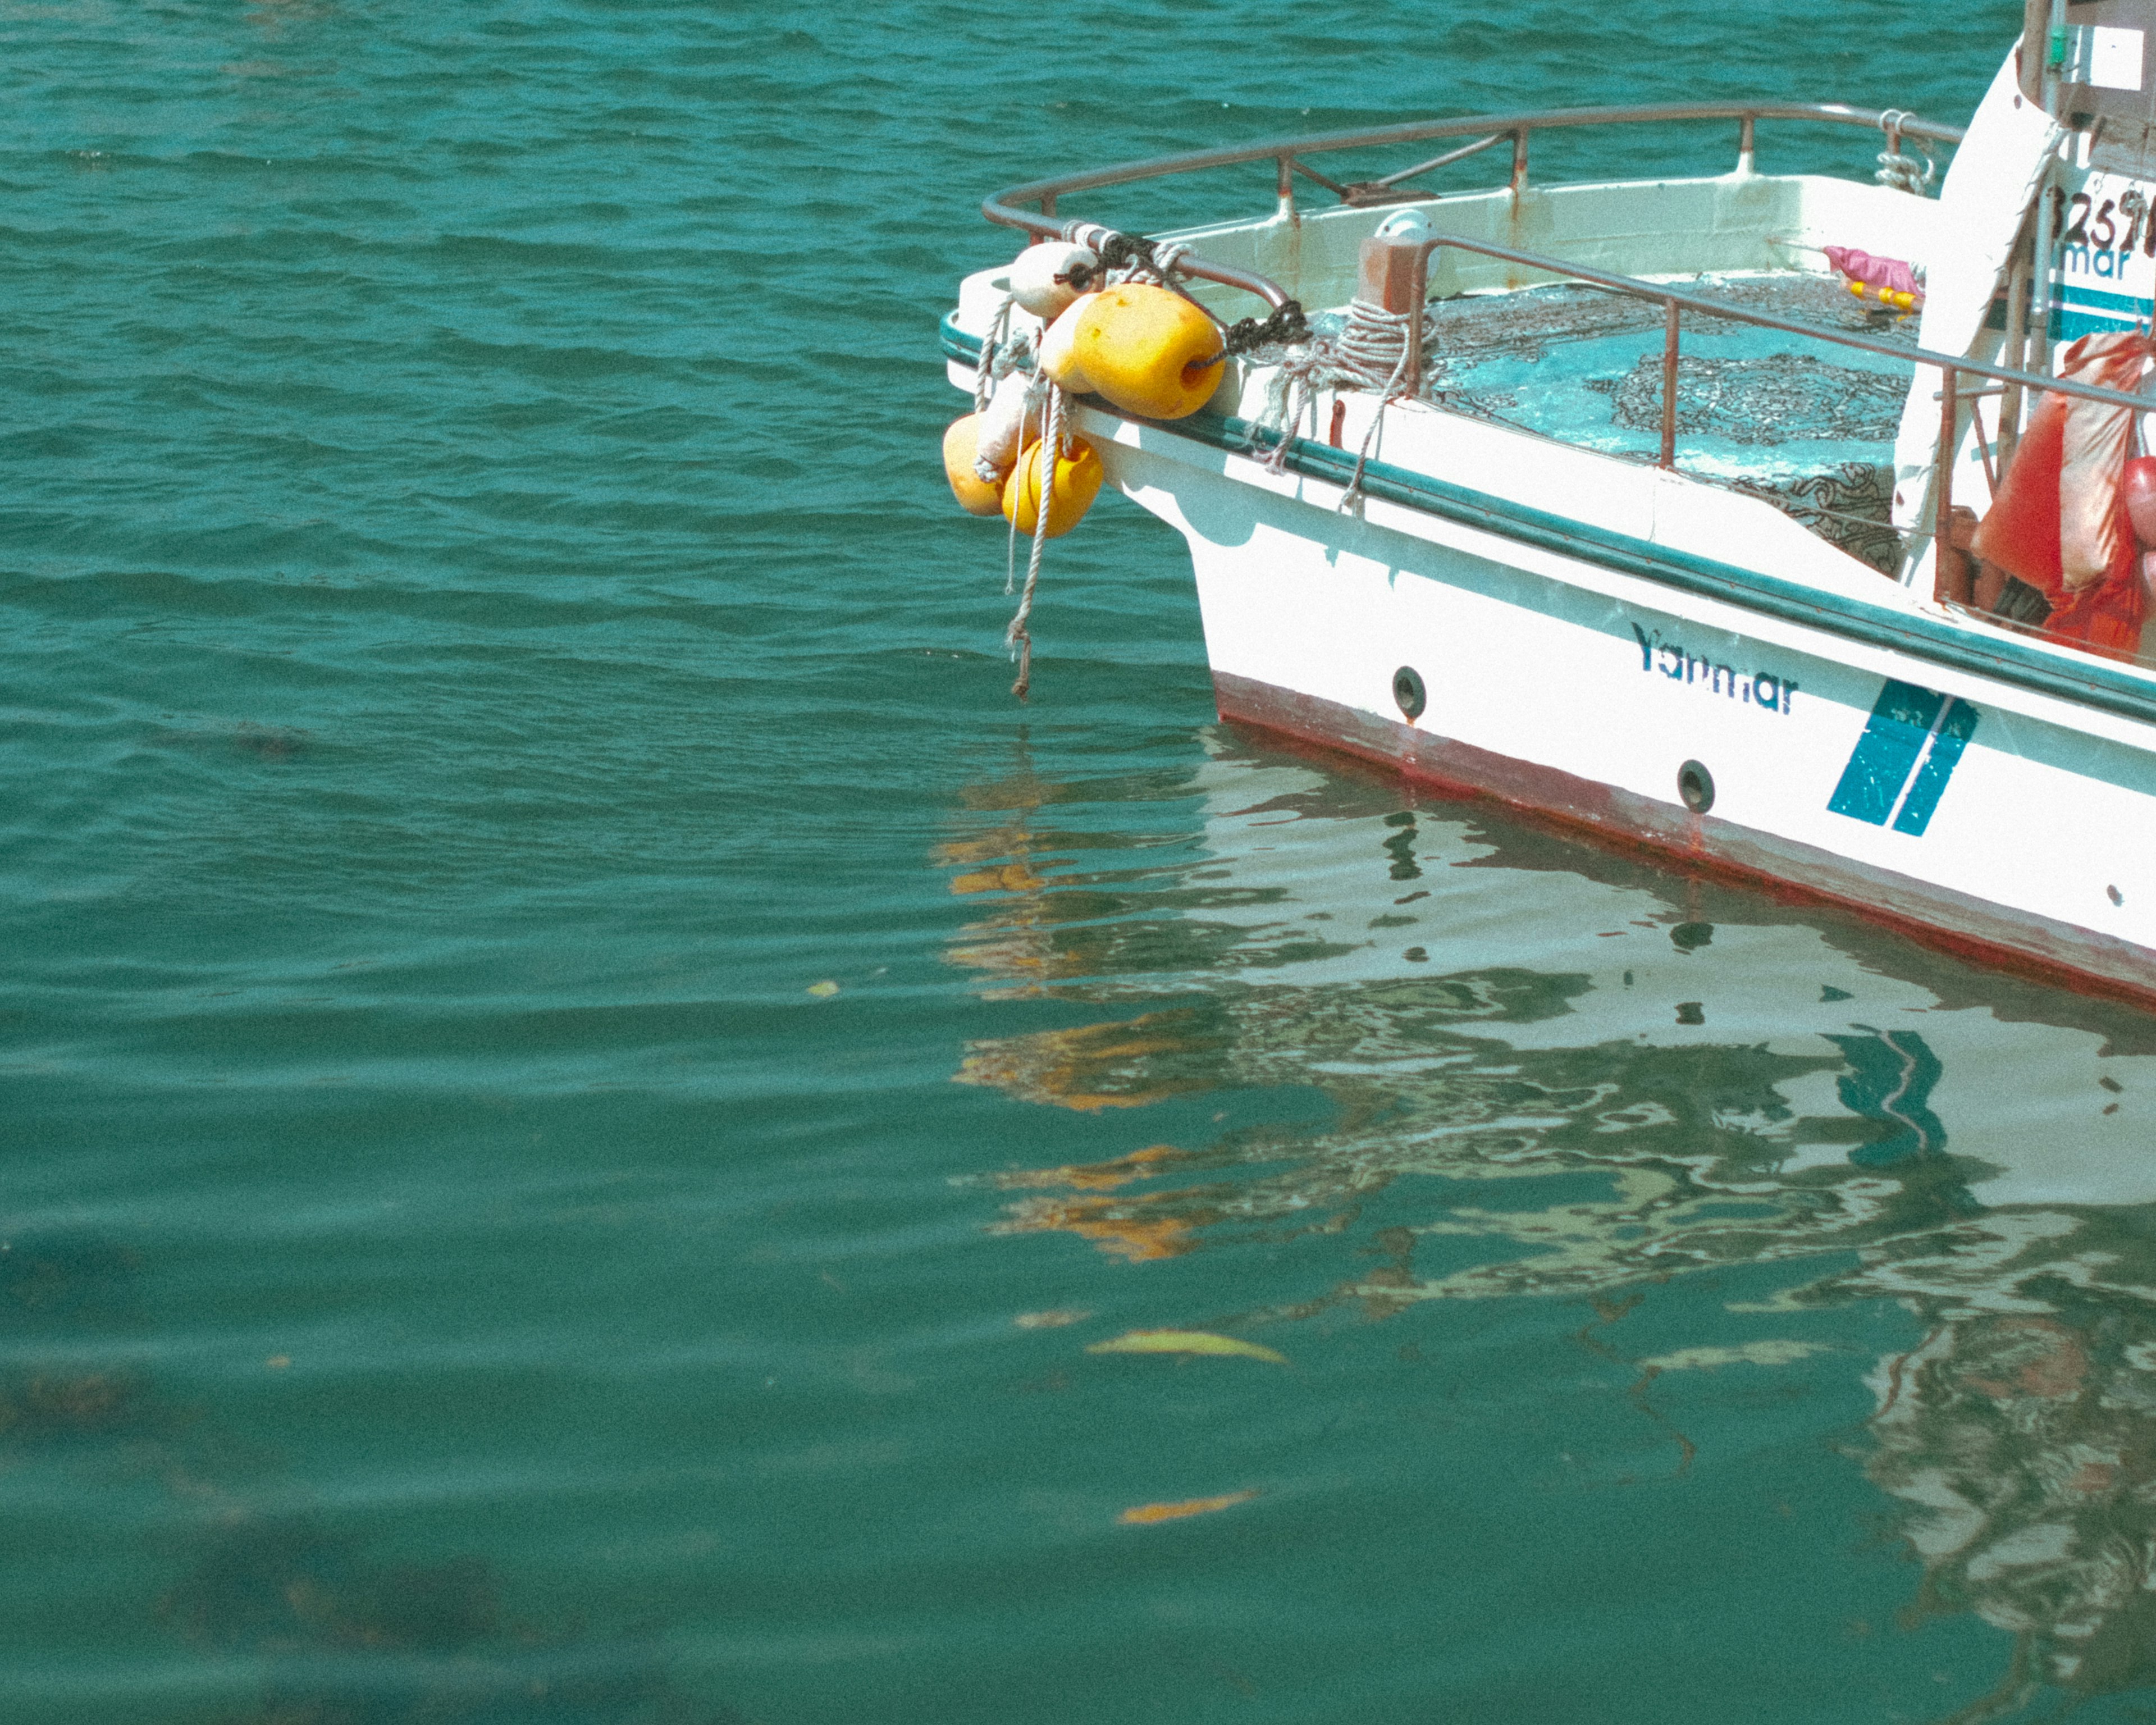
(1808, 429)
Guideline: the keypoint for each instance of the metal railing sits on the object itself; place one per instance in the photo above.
(1486, 131)
(1003, 207)
(1950, 367)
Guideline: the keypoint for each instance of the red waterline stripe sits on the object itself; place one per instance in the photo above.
(2036, 948)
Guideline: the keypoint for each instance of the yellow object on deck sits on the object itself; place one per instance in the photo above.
(1149, 351)
(1078, 476)
(962, 447)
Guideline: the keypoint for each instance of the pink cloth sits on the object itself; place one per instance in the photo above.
(1873, 272)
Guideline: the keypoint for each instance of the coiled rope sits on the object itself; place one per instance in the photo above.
(1897, 170)
(1370, 352)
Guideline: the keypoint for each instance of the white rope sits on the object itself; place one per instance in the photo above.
(1017, 351)
(1293, 389)
(1017, 637)
(1351, 500)
(1375, 341)
(1897, 170)
(984, 371)
(1371, 353)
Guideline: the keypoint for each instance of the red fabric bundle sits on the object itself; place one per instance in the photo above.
(2060, 522)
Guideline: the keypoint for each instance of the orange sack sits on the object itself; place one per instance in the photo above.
(2059, 522)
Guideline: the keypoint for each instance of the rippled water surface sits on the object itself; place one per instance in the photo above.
(583, 1089)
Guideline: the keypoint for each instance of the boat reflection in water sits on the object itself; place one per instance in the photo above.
(1748, 1083)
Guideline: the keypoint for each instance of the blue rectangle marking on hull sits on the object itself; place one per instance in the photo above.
(1901, 722)
(1956, 725)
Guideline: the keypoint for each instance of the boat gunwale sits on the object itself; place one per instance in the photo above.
(1001, 206)
(2123, 692)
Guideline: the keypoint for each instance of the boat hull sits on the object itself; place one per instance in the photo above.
(1969, 798)
(1970, 926)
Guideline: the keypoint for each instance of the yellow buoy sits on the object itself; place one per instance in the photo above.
(962, 447)
(1058, 358)
(1078, 476)
(1149, 351)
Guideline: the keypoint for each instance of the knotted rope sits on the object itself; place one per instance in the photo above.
(1017, 637)
(1371, 353)
(1895, 169)
(996, 364)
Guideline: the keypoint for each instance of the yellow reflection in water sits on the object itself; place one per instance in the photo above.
(2019, 1438)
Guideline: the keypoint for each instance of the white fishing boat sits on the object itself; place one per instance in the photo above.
(1648, 503)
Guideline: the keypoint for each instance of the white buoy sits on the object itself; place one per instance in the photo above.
(1046, 278)
(1006, 422)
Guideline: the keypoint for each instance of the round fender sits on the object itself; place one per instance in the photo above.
(2138, 490)
(1149, 352)
(1046, 278)
(1078, 476)
(961, 448)
(1058, 355)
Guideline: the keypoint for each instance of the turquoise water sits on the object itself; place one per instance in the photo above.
(486, 642)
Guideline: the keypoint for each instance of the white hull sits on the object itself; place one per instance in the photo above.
(1924, 791)
(1581, 630)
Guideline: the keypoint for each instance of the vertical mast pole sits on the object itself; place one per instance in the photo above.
(2051, 48)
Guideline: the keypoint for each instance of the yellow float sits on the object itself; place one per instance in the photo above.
(1058, 357)
(1078, 476)
(1148, 350)
(961, 448)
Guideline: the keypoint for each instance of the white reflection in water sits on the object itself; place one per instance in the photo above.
(1749, 1083)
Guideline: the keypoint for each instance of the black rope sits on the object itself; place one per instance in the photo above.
(1286, 326)
(1119, 251)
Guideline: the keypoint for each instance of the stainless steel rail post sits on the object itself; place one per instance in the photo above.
(1670, 388)
(2052, 49)
(1948, 572)
(2016, 352)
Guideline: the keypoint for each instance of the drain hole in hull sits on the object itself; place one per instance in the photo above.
(1696, 785)
(1408, 693)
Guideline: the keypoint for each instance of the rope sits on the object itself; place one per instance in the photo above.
(1371, 353)
(1016, 350)
(1029, 413)
(1164, 259)
(1897, 170)
(1375, 341)
(984, 374)
(1351, 500)
(1017, 637)
(1287, 327)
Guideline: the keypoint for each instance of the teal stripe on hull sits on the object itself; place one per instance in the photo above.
(2089, 682)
